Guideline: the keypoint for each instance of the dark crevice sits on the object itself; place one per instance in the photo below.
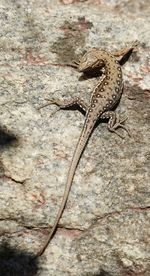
(136, 209)
(14, 180)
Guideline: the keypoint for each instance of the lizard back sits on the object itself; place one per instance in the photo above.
(108, 90)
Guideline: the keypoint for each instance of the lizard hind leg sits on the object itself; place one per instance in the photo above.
(115, 122)
(62, 104)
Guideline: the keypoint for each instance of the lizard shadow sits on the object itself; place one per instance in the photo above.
(103, 273)
(125, 57)
(95, 73)
(16, 262)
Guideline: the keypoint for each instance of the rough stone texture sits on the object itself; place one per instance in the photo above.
(105, 227)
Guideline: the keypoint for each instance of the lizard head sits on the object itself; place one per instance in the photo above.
(90, 61)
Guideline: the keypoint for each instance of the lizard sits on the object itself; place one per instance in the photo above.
(104, 98)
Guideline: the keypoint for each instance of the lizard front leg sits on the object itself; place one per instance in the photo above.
(115, 122)
(123, 54)
(67, 103)
(125, 50)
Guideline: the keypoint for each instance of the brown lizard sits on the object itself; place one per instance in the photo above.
(104, 97)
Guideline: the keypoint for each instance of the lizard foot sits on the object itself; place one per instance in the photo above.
(119, 124)
(115, 122)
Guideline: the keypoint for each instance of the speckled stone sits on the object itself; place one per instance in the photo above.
(105, 226)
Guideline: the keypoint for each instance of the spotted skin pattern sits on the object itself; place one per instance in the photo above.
(104, 97)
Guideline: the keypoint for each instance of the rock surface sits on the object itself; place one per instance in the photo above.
(105, 226)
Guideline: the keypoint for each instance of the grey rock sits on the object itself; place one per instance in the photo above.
(105, 227)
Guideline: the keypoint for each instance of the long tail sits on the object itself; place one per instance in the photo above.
(75, 160)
